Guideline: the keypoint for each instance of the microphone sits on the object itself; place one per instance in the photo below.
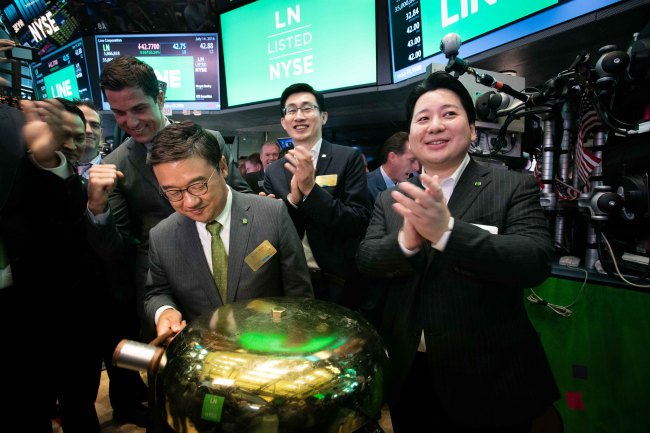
(450, 44)
(610, 64)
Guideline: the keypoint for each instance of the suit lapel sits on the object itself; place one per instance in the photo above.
(473, 180)
(138, 157)
(192, 251)
(324, 158)
(241, 221)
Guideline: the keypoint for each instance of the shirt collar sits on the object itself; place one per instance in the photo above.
(448, 184)
(387, 180)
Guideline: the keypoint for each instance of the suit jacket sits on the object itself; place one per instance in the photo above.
(255, 180)
(376, 183)
(136, 206)
(334, 217)
(180, 276)
(485, 358)
(11, 149)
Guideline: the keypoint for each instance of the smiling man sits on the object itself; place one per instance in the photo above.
(123, 199)
(456, 247)
(325, 190)
(259, 252)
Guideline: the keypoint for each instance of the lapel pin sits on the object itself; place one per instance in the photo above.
(477, 183)
(244, 220)
(324, 156)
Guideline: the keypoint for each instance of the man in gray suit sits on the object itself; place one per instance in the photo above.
(123, 199)
(457, 246)
(265, 256)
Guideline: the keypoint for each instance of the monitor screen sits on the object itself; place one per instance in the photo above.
(270, 44)
(42, 24)
(417, 27)
(63, 73)
(187, 63)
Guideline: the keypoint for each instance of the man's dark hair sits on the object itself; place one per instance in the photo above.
(254, 158)
(303, 88)
(90, 104)
(128, 72)
(72, 108)
(180, 141)
(396, 143)
(441, 80)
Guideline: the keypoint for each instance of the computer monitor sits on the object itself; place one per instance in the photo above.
(270, 44)
(63, 73)
(187, 63)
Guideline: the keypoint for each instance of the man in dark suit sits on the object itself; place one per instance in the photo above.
(457, 245)
(265, 256)
(41, 214)
(397, 165)
(254, 173)
(123, 199)
(324, 188)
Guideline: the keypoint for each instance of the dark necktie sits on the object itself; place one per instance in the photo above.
(219, 260)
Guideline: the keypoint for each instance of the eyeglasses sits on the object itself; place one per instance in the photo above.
(292, 110)
(196, 189)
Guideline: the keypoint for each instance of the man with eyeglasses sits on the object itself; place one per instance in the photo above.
(264, 255)
(123, 199)
(325, 190)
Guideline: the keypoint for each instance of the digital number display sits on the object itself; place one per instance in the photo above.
(407, 32)
(188, 63)
(418, 26)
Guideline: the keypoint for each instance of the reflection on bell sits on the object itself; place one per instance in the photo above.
(273, 365)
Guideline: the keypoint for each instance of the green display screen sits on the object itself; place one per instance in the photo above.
(471, 18)
(270, 44)
(62, 84)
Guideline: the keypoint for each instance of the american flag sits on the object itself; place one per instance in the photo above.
(564, 191)
(589, 121)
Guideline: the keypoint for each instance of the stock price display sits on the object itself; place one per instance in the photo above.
(406, 32)
(187, 63)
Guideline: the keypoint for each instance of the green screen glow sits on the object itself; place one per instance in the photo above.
(270, 44)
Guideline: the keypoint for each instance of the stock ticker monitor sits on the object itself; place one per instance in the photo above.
(63, 73)
(188, 63)
(270, 44)
(417, 27)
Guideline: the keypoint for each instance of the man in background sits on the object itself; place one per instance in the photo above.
(269, 152)
(90, 153)
(324, 188)
(254, 173)
(397, 164)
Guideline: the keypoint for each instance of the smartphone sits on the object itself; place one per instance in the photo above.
(27, 54)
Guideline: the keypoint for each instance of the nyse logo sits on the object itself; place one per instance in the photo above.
(467, 7)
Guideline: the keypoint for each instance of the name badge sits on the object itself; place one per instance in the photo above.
(260, 255)
(327, 180)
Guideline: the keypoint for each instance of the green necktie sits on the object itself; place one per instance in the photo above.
(219, 260)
